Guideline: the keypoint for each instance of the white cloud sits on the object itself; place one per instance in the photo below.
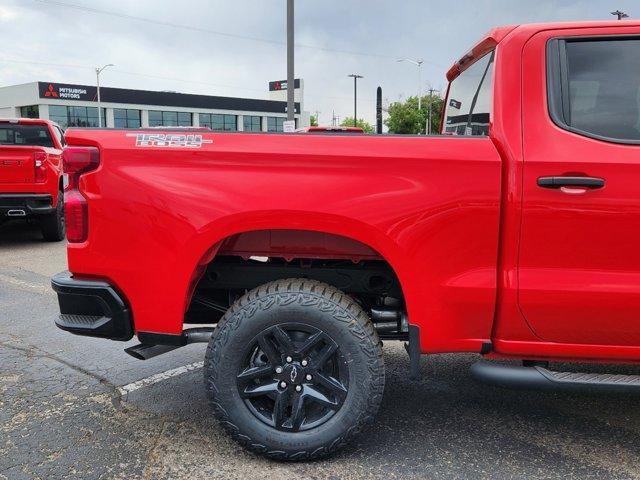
(7, 14)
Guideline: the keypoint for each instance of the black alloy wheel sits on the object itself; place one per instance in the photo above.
(294, 377)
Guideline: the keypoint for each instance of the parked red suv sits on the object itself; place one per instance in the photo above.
(31, 178)
(515, 237)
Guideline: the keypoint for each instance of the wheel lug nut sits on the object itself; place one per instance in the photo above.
(304, 363)
(278, 369)
(289, 359)
(308, 377)
(298, 388)
(283, 384)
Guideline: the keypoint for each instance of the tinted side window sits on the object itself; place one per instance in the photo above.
(470, 97)
(600, 80)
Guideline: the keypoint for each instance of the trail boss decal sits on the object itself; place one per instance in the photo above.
(175, 140)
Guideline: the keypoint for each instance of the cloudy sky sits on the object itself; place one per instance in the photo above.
(234, 48)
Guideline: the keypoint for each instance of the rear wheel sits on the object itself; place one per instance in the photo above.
(294, 369)
(52, 225)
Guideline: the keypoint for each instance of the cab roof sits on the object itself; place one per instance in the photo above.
(27, 121)
(496, 35)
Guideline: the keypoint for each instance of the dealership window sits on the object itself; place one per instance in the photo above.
(252, 123)
(126, 118)
(595, 87)
(169, 119)
(76, 116)
(469, 102)
(31, 111)
(275, 124)
(219, 122)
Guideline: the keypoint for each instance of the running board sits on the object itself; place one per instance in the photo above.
(539, 378)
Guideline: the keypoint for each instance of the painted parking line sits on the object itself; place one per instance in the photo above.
(23, 285)
(159, 377)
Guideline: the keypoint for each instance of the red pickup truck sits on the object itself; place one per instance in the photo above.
(31, 177)
(515, 236)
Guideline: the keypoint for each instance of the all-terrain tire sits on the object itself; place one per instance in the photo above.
(52, 226)
(321, 307)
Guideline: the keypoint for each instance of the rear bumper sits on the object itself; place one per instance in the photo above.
(25, 204)
(92, 308)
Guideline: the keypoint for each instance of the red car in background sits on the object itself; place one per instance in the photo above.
(31, 178)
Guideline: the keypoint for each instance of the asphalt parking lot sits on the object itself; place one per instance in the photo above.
(65, 414)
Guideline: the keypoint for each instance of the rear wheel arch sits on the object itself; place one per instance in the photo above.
(365, 243)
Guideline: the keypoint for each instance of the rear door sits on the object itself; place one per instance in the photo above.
(579, 261)
(17, 142)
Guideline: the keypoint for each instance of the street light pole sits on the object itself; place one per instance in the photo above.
(355, 97)
(291, 88)
(98, 72)
(418, 63)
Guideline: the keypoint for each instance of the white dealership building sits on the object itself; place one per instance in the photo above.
(76, 105)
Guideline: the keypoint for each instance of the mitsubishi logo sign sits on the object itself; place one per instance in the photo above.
(50, 92)
(65, 91)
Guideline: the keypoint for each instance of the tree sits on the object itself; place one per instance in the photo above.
(314, 121)
(366, 126)
(404, 117)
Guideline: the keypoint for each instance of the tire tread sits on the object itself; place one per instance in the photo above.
(344, 309)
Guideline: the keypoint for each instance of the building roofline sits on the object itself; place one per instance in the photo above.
(163, 98)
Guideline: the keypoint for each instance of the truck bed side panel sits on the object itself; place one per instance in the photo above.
(429, 206)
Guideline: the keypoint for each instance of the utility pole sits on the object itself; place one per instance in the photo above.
(379, 111)
(431, 92)
(291, 87)
(98, 72)
(355, 97)
(620, 14)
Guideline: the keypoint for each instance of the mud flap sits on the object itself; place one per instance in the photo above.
(413, 349)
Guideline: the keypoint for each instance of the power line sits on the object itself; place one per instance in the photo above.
(159, 77)
(620, 14)
(29, 62)
(214, 32)
(123, 72)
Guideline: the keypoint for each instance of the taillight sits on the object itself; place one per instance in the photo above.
(77, 161)
(40, 167)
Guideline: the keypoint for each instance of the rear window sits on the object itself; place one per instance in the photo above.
(468, 106)
(15, 134)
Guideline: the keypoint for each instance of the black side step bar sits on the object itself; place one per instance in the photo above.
(539, 378)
